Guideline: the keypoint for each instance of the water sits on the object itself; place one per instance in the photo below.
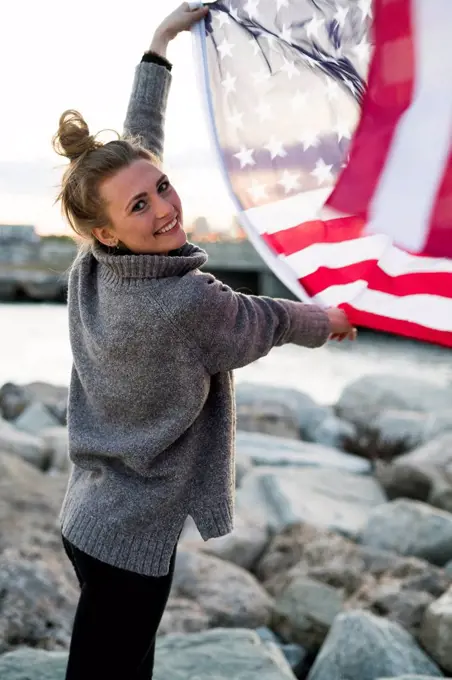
(34, 345)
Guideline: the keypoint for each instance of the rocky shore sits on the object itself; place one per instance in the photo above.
(339, 568)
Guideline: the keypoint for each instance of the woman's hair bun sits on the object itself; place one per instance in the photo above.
(73, 138)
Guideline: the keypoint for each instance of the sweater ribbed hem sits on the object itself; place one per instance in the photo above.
(148, 554)
(148, 88)
(216, 521)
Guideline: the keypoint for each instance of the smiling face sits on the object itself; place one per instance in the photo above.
(144, 210)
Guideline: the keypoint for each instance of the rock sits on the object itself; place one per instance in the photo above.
(243, 465)
(57, 444)
(219, 655)
(264, 449)
(295, 655)
(261, 408)
(33, 664)
(323, 497)
(37, 603)
(436, 630)
(243, 546)
(403, 481)
(361, 646)
(364, 401)
(305, 611)
(202, 578)
(302, 411)
(410, 528)
(411, 677)
(394, 432)
(183, 616)
(398, 588)
(29, 447)
(29, 505)
(334, 432)
(267, 635)
(35, 418)
(13, 400)
(433, 462)
(54, 397)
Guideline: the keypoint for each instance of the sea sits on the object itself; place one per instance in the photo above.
(34, 346)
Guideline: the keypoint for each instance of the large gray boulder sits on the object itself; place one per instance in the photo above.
(361, 646)
(22, 444)
(436, 632)
(375, 405)
(220, 655)
(305, 611)
(229, 596)
(35, 418)
(33, 664)
(410, 528)
(214, 655)
(243, 546)
(264, 449)
(323, 497)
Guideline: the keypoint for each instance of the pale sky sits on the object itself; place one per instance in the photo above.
(56, 55)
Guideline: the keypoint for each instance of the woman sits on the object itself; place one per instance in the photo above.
(151, 404)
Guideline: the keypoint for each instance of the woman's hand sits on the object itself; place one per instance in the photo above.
(182, 19)
(341, 328)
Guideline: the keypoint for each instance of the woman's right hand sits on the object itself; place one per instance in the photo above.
(182, 19)
(341, 328)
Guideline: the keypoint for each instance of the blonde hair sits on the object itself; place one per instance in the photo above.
(91, 162)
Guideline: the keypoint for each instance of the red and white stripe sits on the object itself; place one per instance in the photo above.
(385, 260)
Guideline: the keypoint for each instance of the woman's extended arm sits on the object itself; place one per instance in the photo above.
(145, 116)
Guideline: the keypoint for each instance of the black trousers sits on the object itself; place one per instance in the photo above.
(116, 621)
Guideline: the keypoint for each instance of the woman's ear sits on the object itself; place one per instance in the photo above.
(105, 236)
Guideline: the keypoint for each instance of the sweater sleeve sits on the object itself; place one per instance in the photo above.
(233, 330)
(147, 105)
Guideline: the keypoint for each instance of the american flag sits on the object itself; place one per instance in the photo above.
(333, 124)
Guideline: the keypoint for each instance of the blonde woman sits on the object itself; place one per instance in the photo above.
(151, 407)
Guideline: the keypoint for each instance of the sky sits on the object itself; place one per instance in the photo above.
(56, 55)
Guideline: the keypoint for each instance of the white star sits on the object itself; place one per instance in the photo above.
(366, 8)
(265, 112)
(313, 27)
(289, 68)
(322, 172)
(289, 181)
(300, 100)
(275, 148)
(341, 16)
(229, 83)
(222, 18)
(251, 8)
(309, 138)
(261, 76)
(225, 49)
(286, 34)
(332, 90)
(258, 191)
(234, 14)
(281, 3)
(255, 45)
(343, 130)
(245, 156)
(363, 50)
(236, 120)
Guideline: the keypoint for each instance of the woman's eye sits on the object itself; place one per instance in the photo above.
(164, 186)
(140, 205)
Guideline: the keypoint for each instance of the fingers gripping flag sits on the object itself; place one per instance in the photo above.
(333, 125)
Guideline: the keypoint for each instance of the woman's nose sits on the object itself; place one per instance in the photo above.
(162, 207)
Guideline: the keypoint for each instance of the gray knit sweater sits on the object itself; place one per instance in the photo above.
(151, 403)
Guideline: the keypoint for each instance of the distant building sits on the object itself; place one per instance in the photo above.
(18, 232)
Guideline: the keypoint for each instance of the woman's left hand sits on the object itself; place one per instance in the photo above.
(182, 19)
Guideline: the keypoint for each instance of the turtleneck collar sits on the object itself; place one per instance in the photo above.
(133, 266)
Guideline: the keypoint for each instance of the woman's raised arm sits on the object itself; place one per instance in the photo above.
(147, 104)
